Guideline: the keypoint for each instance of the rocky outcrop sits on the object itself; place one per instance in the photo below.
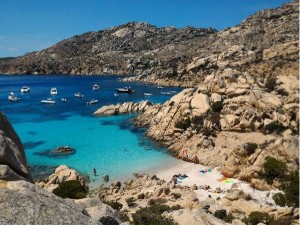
(127, 107)
(265, 44)
(13, 164)
(61, 174)
(25, 203)
(215, 120)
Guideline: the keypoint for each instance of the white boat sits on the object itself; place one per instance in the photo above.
(96, 87)
(25, 89)
(12, 97)
(166, 93)
(49, 101)
(63, 99)
(147, 94)
(53, 91)
(160, 87)
(173, 92)
(128, 90)
(92, 101)
(78, 95)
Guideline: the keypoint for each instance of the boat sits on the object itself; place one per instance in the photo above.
(25, 89)
(166, 93)
(115, 94)
(128, 90)
(147, 94)
(78, 95)
(12, 97)
(96, 87)
(63, 99)
(173, 92)
(48, 101)
(160, 87)
(92, 101)
(53, 91)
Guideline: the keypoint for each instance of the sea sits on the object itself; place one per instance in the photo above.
(110, 144)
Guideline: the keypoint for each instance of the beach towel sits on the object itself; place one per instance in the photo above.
(229, 181)
(202, 171)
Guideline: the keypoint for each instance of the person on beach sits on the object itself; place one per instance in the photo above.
(174, 179)
(95, 172)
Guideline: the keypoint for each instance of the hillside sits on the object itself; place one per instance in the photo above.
(265, 44)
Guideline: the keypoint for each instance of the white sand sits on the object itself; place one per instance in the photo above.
(197, 178)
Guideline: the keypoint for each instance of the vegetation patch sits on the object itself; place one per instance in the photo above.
(70, 189)
(114, 204)
(184, 123)
(152, 215)
(271, 84)
(217, 106)
(222, 215)
(130, 202)
(275, 126)
(258, 217)
(250, 148)
(273, 169)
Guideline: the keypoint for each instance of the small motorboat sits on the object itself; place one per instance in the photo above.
(173, 92)
(63, 99)
(78, 95)
(166, 93)
(96, 87)
(116, 95)
(160, 87)
(53, 91)
(128, 90)
(92, 101)
(12, 97)
(25, 89)
(147, 94)
(48, 101)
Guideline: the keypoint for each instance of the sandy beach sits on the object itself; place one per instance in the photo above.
(211, 178)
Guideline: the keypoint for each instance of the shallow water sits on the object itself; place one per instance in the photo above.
(109, 144)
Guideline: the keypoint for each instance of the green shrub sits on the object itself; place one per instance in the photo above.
(208, 131)
(221, 214)
(197, 122)
(273, 169)
(183, 124)
(283, 221)
(157, 201)
(271, 84)
(151, 215)
(70, 189)
(250, 148)
(290, 187)
(114, 204)
(217, 106)
(215, 118)
(167, 191)
(130, 202)
(176, 195)
(108, 220)
(171, 103)
(258, 217)
(279, 199)
(275, 127)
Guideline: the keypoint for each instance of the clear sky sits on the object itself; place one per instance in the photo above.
(31, 25)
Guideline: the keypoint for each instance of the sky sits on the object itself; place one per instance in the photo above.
(33, 25)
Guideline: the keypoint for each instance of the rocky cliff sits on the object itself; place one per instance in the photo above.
(265, 44)
(13, 164)
(213, 123)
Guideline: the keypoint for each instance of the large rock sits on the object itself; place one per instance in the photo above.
(193, 216)
(126, 107)
(13, 164)
(25, 203)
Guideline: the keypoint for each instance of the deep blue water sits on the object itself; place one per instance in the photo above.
(109, 144)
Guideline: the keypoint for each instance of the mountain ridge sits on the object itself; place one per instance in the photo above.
(165, 55)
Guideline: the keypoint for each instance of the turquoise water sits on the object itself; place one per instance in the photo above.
(110, 144)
